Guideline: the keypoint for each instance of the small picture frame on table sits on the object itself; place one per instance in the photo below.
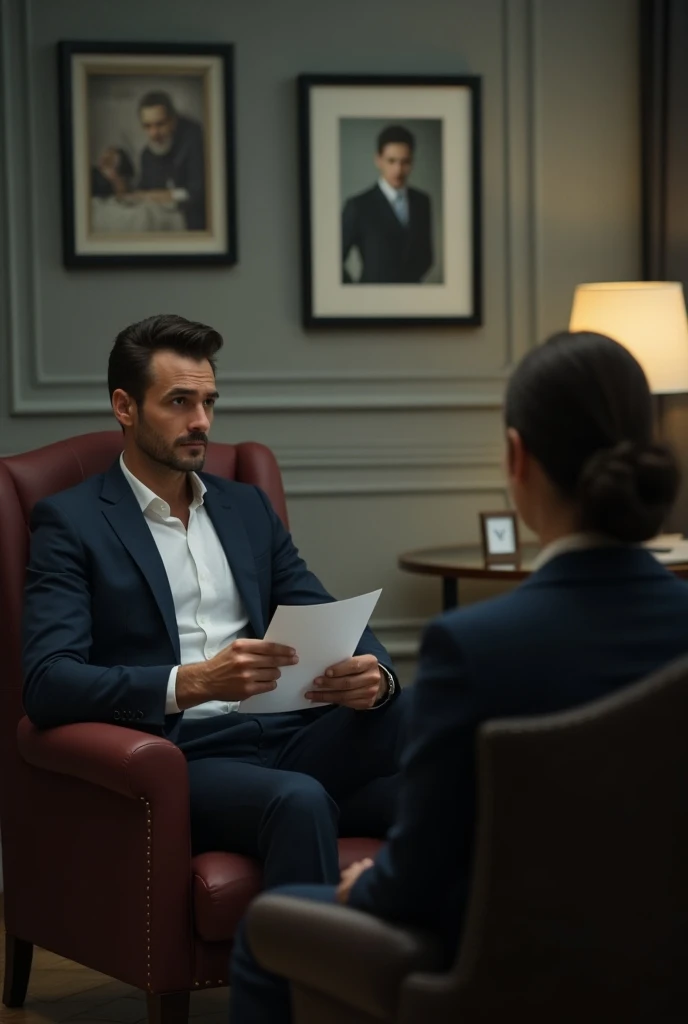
(499, 537)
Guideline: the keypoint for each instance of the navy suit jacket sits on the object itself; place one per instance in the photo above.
(391, 252)
(584, 625)
(100, 632)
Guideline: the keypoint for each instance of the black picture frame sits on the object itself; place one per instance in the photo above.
(211, 237)
(401, 303)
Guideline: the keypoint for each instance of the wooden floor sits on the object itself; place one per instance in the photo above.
(63, 991)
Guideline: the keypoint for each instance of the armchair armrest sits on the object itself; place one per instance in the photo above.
(107, 840)
(126, 761)
(340, 952)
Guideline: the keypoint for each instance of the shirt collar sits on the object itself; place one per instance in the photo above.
(572, 542)
(389, 192)
(150, 502)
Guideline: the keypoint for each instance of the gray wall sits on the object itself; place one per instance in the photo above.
(388, 440)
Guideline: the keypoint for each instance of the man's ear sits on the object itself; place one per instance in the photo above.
(123, 407)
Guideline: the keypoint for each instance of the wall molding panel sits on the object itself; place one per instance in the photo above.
(400, 636)
(390, 469)
(374, 456)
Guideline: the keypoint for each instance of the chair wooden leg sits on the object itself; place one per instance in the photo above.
(18, 956)
(168, 1008)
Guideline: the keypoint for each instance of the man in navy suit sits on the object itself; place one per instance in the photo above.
(598, 613)
(390, 224)
(172, 171)
(148, 591)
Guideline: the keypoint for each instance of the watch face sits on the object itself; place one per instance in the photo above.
(501, 536)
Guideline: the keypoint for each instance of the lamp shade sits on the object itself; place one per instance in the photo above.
(648, 318)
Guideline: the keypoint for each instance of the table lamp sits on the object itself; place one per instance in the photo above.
(648, 318)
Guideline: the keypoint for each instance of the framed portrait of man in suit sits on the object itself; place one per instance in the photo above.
(390, 187)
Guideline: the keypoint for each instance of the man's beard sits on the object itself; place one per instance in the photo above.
(171, 456)
(161, 148)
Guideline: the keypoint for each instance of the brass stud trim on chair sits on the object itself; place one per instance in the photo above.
(149, 861)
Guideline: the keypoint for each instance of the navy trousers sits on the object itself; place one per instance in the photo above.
(257, 996)
(283, 787)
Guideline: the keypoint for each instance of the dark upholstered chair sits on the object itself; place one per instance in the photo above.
(95, 818)
(579, 903)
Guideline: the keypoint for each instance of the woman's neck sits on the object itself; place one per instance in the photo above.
(556, 523)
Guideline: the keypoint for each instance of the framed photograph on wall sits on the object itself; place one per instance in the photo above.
(390, 200)
(147, 140)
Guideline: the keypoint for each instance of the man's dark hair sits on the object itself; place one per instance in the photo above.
(395, 133)
(158, 98)
(130, 358)
(582, 406)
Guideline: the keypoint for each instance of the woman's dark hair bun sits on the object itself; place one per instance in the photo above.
(627, 491)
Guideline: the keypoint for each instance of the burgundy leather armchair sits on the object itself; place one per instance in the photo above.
(95, 818)
(579, 903)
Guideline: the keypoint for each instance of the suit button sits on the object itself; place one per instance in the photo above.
(117, 716)
(139, 714)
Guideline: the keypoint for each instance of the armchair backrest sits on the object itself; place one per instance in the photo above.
(28, 478)
(579, 903)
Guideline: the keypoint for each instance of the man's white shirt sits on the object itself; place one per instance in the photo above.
(209, 609)
(394, 196)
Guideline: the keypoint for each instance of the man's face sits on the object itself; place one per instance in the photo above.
(394, 163)
(172, 425)
(160, 127)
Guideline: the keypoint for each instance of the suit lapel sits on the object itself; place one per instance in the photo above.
(413, 212)
(122, 511)
(234, 539)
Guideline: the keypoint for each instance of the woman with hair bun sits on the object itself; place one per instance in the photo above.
(581, 454)
(598, 614)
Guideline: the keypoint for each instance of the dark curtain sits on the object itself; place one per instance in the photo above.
(664, 95)
(664, 56)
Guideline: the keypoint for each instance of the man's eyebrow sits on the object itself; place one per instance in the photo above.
(181, 392)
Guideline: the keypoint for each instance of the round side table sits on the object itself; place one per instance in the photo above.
(454, 563)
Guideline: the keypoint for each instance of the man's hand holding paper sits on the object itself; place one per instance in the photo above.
(239, 671)
(356, 683)
(324, 637)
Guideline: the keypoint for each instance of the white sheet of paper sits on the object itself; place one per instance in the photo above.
(321, 635)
